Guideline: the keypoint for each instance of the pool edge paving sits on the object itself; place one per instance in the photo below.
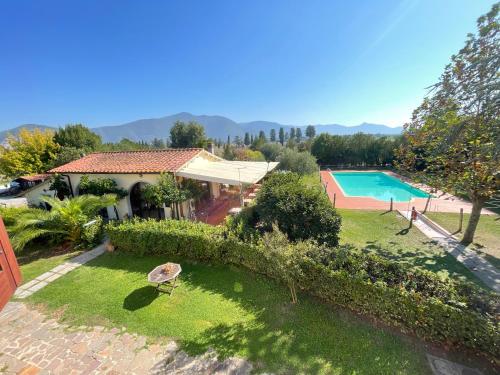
(442, 202)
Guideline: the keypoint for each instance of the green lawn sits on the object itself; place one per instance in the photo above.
(387, 233)
(233, 311)
(35, 260)
(487, 238)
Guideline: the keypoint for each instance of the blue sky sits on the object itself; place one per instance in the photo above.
(295, 62)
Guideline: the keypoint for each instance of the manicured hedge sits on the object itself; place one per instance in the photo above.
(420, 301)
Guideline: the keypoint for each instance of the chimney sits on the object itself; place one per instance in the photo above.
(211, 148)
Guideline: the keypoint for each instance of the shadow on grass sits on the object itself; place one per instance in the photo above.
(140, 298)
(428, 258)
(309, 337)
(403, 232)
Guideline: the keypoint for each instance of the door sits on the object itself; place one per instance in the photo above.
(10, 276)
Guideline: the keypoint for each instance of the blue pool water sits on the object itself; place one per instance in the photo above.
(376, 185)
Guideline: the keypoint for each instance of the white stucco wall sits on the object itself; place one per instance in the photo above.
(125, 181)
(35, 194)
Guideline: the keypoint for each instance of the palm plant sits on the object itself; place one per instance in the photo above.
(65, 221)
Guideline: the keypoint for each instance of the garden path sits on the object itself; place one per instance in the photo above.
(31, 343)
(479, 266)
(44, 279)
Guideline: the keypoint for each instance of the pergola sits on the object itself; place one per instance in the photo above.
(227, 172)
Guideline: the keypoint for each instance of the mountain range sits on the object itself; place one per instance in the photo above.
(215, 127)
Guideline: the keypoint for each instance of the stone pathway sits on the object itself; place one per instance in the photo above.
(31, 343)
(441, 366)
(44, 279)
(479, 266)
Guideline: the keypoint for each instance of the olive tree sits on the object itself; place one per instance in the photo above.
(453, 139)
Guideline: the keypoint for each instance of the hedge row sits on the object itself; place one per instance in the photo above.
(433, 308)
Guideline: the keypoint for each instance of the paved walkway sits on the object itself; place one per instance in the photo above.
(479, 266)
(30, 343)
(44, 279)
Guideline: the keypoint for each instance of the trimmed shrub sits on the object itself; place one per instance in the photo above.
(299, 162)
(194, 241)
(301, 211)
(93, 234)
(432, 307)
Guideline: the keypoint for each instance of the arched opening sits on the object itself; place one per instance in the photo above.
(139, 205)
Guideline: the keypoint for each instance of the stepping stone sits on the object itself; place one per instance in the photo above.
(441, 366)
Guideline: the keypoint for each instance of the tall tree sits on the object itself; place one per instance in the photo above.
(29, 152)
(158, 143)
(282, 136)
(237, 140)
(298, 134)
(65, 155)
(78, 136)
(191, 134)
(125, 144)
(453, 140)
(292, 133)
(262, 136)
(228, 140)
(310, 131)
(247, 139)
(272, 135)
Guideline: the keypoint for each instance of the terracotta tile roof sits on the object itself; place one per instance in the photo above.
(149, 161)
(35, 177)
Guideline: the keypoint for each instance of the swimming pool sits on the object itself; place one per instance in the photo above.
(376, 185)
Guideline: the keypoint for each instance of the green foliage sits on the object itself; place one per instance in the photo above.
(228, 152)
(258, 142)
(30, 152)
(245, 154)
(355, 150)
(432, 307)
(59, 184)
(125, 144)
(191, 134)
(282, 259)
(302, 163)
(298, 134)
(262, 135)
(64, 222)
(65, 155)
(452, 141)
(158, 143)
(170, 237)
(281, 136)
(272, 135)
(93, 233)
(192, 188)
(302, 212)
(166, 191)
(246, 140)
(100, 187)
(310, 131)
(271, 151)
(78, 137)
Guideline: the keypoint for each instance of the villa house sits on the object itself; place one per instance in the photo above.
(224, 182)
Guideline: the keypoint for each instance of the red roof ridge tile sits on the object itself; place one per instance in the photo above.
(134, 161)
(152, 150)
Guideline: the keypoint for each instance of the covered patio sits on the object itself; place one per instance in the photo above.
(231, 184)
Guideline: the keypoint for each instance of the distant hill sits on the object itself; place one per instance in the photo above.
(15, 131)
(215, 126)
(147, 129)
